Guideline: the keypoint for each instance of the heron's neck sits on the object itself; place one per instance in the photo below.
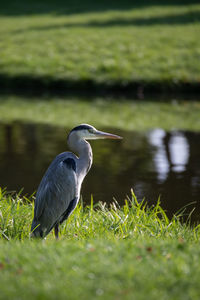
(84, 151)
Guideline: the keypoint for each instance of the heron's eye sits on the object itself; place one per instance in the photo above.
(91, 130)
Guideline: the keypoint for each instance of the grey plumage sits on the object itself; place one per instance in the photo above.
(56, 190)
(59, 190)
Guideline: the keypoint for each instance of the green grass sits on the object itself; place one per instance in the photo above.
(95, 221)
(109, 253)
(127, 115)
(107, 44)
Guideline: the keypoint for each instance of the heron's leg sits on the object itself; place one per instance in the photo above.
(56, 231)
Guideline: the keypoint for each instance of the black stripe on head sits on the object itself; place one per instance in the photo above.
(82, 127)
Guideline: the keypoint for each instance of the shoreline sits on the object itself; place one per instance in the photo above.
(27, 84)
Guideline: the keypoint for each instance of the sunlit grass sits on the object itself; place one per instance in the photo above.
(112, 252)
(132, 220)
(103, 42)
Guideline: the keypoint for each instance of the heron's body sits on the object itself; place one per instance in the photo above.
(59, 190)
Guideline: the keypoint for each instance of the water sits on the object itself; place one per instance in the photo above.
(154, 163)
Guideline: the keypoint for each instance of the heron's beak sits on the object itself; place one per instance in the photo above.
(106, 135)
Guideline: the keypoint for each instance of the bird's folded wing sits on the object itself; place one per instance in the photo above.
(56, 190)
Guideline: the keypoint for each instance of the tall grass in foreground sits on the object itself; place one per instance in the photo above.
(114, 252)
(132, 220)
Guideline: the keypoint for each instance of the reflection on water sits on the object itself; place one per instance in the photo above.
(154, 163)
(172, 154)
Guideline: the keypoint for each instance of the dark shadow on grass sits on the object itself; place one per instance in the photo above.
(69, 7)
(28, 85)
(178, 19)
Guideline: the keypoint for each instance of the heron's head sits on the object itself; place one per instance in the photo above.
(88, 132)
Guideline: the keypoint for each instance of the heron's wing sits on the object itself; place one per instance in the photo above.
(56, 190)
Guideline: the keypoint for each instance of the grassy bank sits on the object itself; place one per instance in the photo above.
(123, 253)
(127, 115)
(96, 221)
(120, 46)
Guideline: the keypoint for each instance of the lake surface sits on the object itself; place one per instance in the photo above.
(154, 163)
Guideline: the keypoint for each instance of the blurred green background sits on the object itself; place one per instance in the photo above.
(126, 47)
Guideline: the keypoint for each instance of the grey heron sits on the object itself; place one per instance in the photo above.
(59, 190)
